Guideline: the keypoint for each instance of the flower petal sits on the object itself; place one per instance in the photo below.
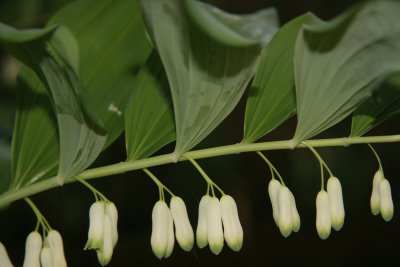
(274, 187)
(33, 246)
(112, 212)
(104, 254)
(96, 225)
(285, 211)
(323, 214)
(295, 214)
(57, 248)
(171, 238)
(46, 257)
(4, 259)
(233, 231)
(183, 229)
(386, 202)
(159, 233)
(334, 189)
(214, 226)
(201, 231)
(374, 201)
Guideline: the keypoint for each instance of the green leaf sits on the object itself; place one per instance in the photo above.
(53, 54)
(272, 97)
(384, 104)
(231, 29)
(35, 144)
(149, 117)
(339, 63)
(113, 46)
(207, 79)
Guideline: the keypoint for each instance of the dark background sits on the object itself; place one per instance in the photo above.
(364, 239)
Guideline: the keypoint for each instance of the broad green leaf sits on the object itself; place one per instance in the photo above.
(272, 97)
(113, 46)
(35, 144)
(149, 117)
(53, 54)
(207, 79)
(384, 103)
(339, 63)
(231, 29)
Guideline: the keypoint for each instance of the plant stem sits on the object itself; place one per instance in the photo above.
(271, 166)
(16, 194)
(317, 155)
(377, 157)
(158, 183)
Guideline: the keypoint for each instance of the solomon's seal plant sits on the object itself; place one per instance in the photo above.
(77, 93)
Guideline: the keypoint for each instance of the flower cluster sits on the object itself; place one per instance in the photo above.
(214, 213)
(163, 220)
(284, 208)
(103, 230)
(330, 208)
(47, 253)
(381, 197)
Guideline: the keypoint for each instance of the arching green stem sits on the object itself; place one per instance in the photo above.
(377, 157)
(271, 166)
(160, 185)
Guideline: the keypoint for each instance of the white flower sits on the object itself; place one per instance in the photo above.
(295, 215)
(96, 225)
(162, 241)
(336, 199)
(274, 187)
(233, 231)
(55, 243)
(112, 213)
(183, 229)
(4, 259)
(215, 234)
(33, 247)
(285, 211)
(46, 257)
(375, 198)
(323, 221)
(201, 231)
(385, 200)
(104, 253)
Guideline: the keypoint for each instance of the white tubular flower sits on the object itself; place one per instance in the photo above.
(104, 253)
(57, 249)
(295, 215)
(334, 189)
(375, 198)
(274, 187)
(4, 259)
(33, 246)
(386, 202)
(96, 225)
(183, 229)
(323, 214)
(160, 235)
(215, 233)
(285, 211)
(233, 231)
(112, 213)
(46, 257)
(201, 231)
(171, 237)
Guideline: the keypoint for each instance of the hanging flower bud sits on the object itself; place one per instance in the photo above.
(183, 229)
(334, 189)
(323, 215)
(104, 253)
(215, 234)
(160, 234)
(171, 237)
(233, 231)
(274, 187)
(96, 225)
(46, 257)
(201, 231)
(386, 202)
(295, 215)
(4, 259)
(375, 204)
(57, 249)
(33, 247)
(112, 213)
(285, 212)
